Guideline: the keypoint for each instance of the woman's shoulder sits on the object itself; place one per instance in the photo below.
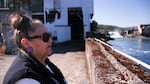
(27, 81)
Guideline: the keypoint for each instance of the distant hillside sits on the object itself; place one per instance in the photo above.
(102, 31)
(107, 28)
(96, 27)
(101, 28)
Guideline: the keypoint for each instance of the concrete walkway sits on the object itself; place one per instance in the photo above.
(73, 66)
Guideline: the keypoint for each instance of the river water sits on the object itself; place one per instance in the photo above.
(136, 47)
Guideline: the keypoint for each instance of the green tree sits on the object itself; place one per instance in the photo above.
(94, 25)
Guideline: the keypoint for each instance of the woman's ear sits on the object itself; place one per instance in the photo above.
(25, 42)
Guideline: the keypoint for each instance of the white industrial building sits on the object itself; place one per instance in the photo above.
(68, 19)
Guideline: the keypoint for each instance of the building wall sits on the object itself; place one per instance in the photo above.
(145, 30)
(63, 34)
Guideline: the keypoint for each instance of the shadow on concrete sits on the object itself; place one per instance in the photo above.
(70, 46)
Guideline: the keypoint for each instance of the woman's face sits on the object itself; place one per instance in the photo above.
(41, 48)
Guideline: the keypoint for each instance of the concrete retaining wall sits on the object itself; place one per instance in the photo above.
(105, 68)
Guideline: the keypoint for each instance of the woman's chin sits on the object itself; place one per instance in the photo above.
(50, 53)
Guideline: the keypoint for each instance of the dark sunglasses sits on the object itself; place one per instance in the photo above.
(45, 36)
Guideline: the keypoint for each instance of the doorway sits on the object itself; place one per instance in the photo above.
(75, 20)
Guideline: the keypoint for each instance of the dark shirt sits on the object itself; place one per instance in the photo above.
(26, 66)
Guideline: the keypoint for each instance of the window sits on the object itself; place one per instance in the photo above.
(3, 3)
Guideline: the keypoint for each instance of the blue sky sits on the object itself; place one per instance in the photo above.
(123, 13)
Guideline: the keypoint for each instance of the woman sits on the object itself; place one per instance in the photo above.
(31, 66)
